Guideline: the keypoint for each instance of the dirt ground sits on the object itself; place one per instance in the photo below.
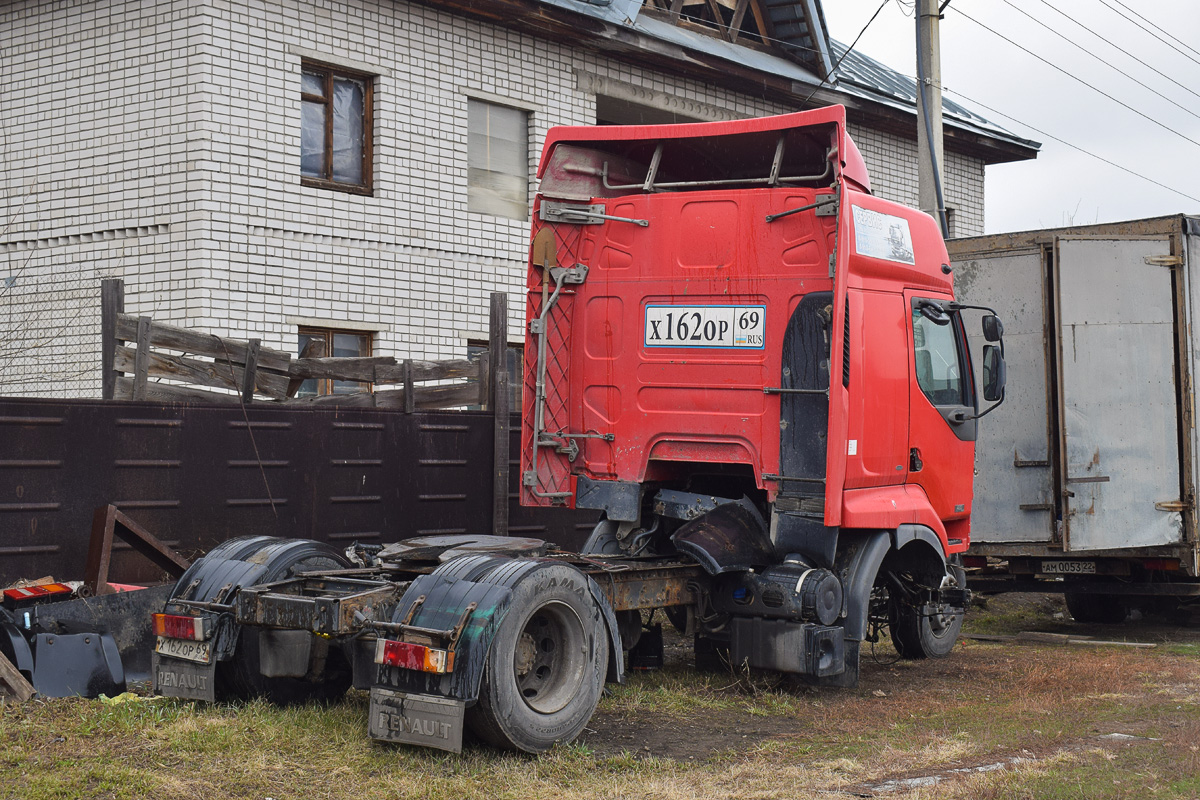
(984, 661)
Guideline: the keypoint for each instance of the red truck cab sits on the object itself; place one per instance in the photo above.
(723, 312)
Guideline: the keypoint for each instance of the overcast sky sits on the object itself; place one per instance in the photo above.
(1064, 186)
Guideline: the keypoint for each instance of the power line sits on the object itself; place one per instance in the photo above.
(1115, 46)
(1073, 146)
(1051, 64)
(1151, 24)
(849, 50)
(1147, 30)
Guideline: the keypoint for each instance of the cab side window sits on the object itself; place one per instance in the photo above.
(938, 361)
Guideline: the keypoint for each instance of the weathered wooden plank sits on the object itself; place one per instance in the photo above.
(205, 373)
(353, 400)
(112, 303)
(498, 402)
(205, 344)
(340, 369)
(431, 397)
(14, 682)
(251, 370)
(314, 349)
(429, 371)
(167, 393)
(141, 361)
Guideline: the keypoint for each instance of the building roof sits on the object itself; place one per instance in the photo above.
(793, 67)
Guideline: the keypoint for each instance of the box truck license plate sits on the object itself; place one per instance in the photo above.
(741, 327)
(187, 649)
(1069, 567)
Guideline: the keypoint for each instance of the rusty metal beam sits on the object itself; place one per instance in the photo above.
(108, 521)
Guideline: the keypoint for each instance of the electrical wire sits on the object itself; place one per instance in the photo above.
(1051, 64)
(1076, 147)
(1111, 44)
(1156, 27)
(1147, 30)
(849, 50)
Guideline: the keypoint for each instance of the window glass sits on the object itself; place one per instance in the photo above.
(497, 160)
(338, 344)
(347, 130)
(514, 358)
(939, 372)
(312, 139)
(335, 129)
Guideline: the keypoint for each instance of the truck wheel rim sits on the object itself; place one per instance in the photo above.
(550, 661)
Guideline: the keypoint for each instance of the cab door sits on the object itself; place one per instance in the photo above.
(942, 404)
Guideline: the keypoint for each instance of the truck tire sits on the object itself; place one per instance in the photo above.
(546, 667)
(916, 635)
(1105, 609)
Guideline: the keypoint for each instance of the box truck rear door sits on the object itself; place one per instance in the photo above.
(1118, 410)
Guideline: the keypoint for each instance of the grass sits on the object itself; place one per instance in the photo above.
(918, 729)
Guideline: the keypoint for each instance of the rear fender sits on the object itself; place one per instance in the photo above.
(488, 582)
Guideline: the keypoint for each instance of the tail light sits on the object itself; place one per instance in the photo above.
(174, 626)
(34, 594)
(1164, 564)
(413, 656)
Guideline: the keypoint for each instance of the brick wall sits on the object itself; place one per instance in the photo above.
(160, 143)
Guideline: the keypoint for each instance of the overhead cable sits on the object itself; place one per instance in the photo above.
(848, 51)
(1147, 30)
(1115, 46)
(1072, 146)
(1152, 25)
(1051, 64)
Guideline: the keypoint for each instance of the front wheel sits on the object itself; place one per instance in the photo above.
(921, 631)
(546, 666)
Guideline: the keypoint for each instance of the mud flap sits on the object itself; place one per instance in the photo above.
(410, 719)
(730, 538)
(174, 677)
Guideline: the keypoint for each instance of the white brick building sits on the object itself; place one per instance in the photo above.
(160, 143)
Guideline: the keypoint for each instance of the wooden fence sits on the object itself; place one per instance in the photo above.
(136, 368)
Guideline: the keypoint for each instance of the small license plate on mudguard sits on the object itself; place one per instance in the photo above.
(186, 679)
(416, 719)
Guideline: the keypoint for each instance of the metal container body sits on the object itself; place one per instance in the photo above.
(1092, 450)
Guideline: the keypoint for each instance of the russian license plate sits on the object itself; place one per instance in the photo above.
(1069, 567)
(187, 649)
(186, 679)
(416, 719)
(706, 326)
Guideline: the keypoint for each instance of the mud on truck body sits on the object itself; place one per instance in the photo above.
(751, 365)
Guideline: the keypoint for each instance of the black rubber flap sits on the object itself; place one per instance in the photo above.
(731, 538)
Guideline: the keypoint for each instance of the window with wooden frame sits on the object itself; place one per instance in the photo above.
(335, 128)
(323, 342)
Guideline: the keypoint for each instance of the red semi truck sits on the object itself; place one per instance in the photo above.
(750, 364)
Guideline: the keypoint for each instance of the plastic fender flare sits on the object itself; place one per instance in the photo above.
(616, 663)
(857, 563)
(244, 561)
(15, 647)
(510, 575)
(906, 534)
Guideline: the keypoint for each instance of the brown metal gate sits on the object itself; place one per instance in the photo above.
(196, 475)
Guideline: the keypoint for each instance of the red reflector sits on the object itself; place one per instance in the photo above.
(412, 656)
(1166, 564)
(177, 627)
(974, 561)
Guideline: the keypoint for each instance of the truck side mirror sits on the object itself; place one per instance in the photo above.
(994, 371)
(993, 328)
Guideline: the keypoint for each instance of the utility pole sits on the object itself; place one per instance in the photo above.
(930, 175)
